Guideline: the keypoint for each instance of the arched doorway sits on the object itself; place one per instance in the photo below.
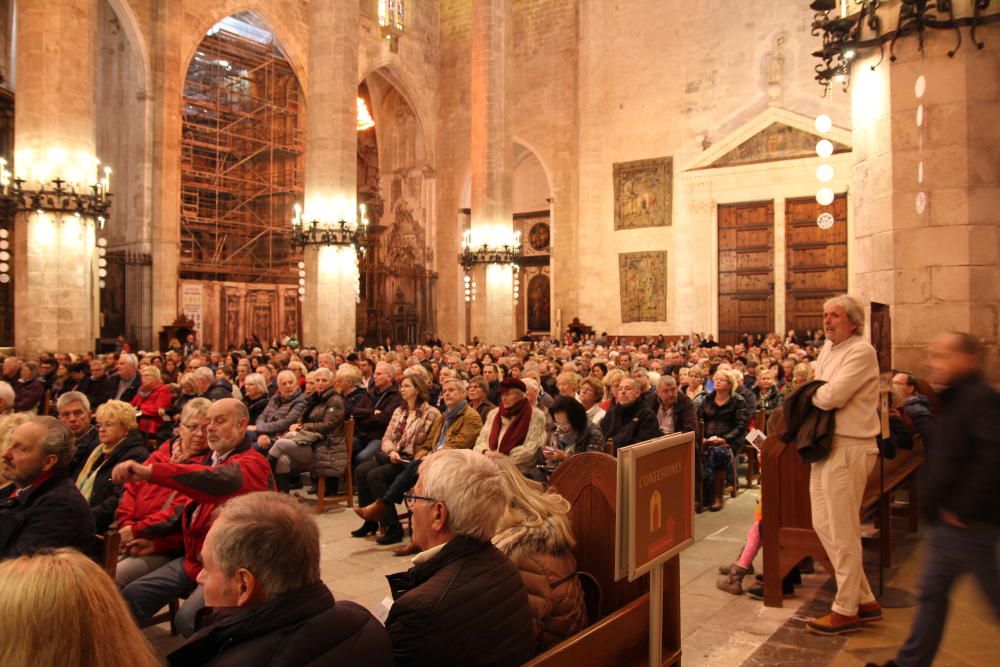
(242, 169)
(533, 219)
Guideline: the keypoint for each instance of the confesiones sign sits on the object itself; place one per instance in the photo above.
(655, 503)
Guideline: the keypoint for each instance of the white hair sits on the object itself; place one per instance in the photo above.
(531, 384)
(257, 380)
(64, 400)
(7, 394)
(129, 359)
(471, 488)
(852, 307)
(205, 374)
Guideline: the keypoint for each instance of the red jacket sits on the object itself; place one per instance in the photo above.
(148, 508)
(245, 470)
(150, 420)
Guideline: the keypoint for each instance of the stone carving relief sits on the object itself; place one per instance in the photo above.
(642, 278)
(643, 195)
(405, 247)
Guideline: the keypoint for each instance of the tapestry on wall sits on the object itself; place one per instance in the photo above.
(643, 193)
(643, 280)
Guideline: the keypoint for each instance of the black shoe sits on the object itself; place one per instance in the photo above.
(757, 592)
(393, 535)
(368, 528)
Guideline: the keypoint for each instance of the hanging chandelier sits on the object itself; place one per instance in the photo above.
(365, 120)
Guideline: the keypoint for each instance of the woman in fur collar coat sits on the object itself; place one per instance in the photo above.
(535, 535)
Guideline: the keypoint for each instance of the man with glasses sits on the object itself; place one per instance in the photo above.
(235, 469)
(462, 602)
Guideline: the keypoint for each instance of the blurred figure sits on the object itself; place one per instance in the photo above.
(959, 476)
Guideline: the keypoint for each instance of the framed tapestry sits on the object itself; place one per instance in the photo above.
(642, 277)
(643, 195)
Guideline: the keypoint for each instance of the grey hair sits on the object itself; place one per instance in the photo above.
(129, 359)
(855, 311)
(257, 380)
(666, 380)
(286, 373)
(531, 384)
(204, 373)
(66, 399)
(346, 373)
(7, 394)
(462, 384)
(57, 440)
(196, 407)
(470, 487)
(271, 535)
(324, 372)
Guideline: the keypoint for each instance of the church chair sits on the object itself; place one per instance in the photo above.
(348, 474)
(109, 544)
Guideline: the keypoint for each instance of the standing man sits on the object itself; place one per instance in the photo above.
(849, 367)
(960, 501)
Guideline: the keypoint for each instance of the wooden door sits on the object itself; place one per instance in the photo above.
(816, 260)
(746, 270)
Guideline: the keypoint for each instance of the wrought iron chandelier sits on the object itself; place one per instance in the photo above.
(341, 233)
(485, 253)
(852, 28)
(58, 196)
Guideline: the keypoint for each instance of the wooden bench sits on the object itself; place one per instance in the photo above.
(108, 547)
(619, 634)
(788, 534)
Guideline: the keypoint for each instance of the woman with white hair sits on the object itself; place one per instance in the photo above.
(255, 395)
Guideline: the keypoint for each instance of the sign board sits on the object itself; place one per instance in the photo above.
(655, 519)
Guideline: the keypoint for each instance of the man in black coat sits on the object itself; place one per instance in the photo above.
(98, 387)
(959, 494)
(674, 410)
(371, 416)
(125, 384)
(42, 508)
(265, 601)
(462, 603)
(73, 410)
(630, 420)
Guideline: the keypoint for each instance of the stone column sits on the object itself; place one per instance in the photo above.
(55, 133)
(492, 162)
(328, 312)
(937, 262)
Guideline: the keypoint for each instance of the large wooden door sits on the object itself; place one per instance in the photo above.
(746, 270)
(816, 260)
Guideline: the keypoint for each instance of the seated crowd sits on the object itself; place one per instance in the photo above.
(182, 455)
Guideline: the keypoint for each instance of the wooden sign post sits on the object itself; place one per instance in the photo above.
(655, 519)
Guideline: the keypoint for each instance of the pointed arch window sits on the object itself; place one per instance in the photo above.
(392, 19)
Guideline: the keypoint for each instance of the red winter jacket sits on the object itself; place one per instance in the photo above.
(243, 471)
(150, 420)
(148, 508)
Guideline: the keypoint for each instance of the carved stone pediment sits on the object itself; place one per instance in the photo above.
(775, 142)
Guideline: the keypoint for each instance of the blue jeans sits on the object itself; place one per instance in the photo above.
(404, 481)
(366, 453)
(148, 594)
(950, 553)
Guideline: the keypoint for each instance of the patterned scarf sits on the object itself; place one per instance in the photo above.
(517, 431)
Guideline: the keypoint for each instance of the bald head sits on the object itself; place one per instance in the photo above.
(227, 424)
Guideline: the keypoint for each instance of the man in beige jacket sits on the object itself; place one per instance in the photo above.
(849, 366)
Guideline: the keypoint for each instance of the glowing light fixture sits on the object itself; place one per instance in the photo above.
(365, 120)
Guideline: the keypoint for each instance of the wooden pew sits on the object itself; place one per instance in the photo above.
(620, 635)
(787, 530)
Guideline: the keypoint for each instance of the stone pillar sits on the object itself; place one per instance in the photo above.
(492, 162)
(937, 264)
(328, 312)
(55, 133)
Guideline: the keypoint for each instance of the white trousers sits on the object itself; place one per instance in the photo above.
(836, 487)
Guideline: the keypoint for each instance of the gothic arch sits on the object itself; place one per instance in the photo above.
(400, 81)
(135, 36)
(295, 50)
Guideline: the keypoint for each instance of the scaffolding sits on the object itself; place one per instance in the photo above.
(241, 162)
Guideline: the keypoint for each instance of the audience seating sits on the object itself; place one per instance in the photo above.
(348, 474)
(618, 633)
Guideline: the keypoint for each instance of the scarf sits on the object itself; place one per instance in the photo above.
(97, 458)
(520, 420)
(449, 416)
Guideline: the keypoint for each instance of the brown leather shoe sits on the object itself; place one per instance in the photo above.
(410, 549)
(371, 512)
(834, 624)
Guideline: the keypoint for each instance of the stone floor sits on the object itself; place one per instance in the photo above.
(717, 629)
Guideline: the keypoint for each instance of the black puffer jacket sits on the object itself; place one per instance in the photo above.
(726, 421)
(464, 606)
(629, 424)
(105, 494)
(50, 515)
(325, 416)
(303, 627)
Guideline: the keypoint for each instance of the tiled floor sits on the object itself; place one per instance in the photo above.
(717, 629)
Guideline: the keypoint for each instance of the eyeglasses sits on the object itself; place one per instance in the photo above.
(411, 499)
